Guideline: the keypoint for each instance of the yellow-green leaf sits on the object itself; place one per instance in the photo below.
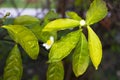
(64, 46)
(80, 59)
(95, 47)
(42, 35)
(61, 24)
(13, 69)
(55, 71)
(96, 12)
(33, 24)
(73, 15)
(25, 38)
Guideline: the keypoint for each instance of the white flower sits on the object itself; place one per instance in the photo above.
(49, 43)
(82, 22)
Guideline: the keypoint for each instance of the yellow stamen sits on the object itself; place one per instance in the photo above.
(49, 42)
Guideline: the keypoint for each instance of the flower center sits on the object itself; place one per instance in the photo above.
(49, 42)
(82, 22)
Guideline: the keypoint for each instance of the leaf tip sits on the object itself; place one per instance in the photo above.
(3, 26)
(96, 68)
(33, 57)
(77, 75)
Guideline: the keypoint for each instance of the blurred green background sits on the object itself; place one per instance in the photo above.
(108, 30)
(21, 3)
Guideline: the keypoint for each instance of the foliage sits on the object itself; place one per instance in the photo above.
(13, 69)
(28, 31)
(81, 56)
(55, 71)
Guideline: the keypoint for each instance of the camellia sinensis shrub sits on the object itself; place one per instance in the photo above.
(27, 31)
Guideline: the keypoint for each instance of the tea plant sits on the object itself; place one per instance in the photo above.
(27, 31)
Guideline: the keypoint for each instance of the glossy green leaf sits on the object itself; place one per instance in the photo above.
(13, 69)
(95, 47)
(34, 25)
(80, 59)
(96, 12)
(42, 35)
(55, 71)
(73, 15)
(61, 24)
(25, 38)
(26, 20)
(64, 46)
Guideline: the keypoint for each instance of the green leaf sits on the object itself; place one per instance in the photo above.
(51, 15)
(26, 20)
(64, 46)
(73, 15)
(13, 69)
(34, 25)
(80, 59)
(95, 47)
(61, 24)
(25, 38)
(43, 35)
(55, 71)
(96, 12)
